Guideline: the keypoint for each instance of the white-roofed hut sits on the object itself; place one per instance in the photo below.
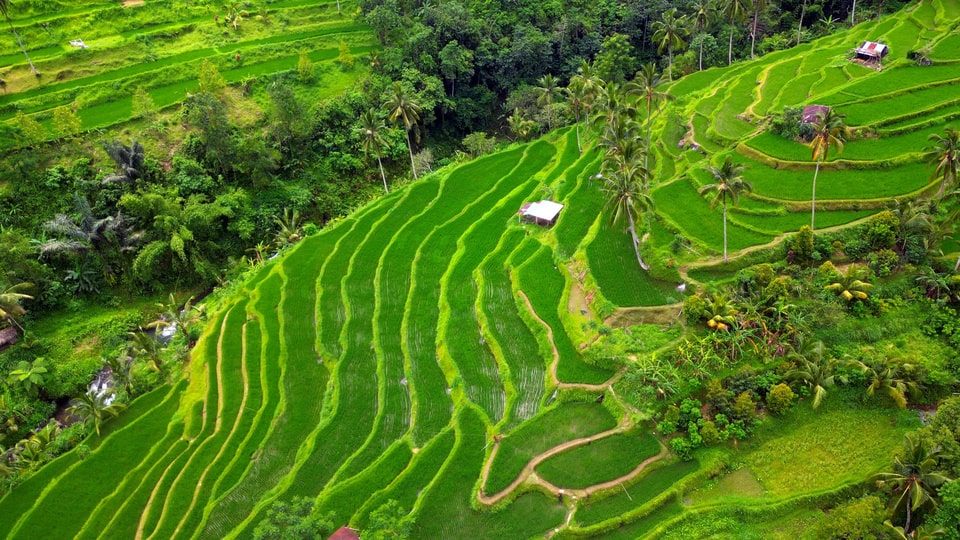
(543, 213)
(871, 52)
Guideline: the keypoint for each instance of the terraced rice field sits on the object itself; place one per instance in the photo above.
(385, 358)
(427, 349)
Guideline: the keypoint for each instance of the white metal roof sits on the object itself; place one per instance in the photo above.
(872, 48)
(546, 210)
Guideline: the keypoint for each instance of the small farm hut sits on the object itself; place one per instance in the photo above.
(871, 51)
(812, 112)
(345, 533)
(543, 213)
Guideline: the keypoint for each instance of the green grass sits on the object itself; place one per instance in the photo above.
(561, 423)
(855, 150)
(649, 486)
(904, 105)
(778, 77)
(579, 211)
(609, 458)
(639, 527)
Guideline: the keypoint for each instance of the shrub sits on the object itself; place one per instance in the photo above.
(882, 230)
(801, 244)
(780, 399)
(709, 433)
(694, 309)
(883, 261)
(681, 447)
(827, 273)
(858, 518)
(744, 407)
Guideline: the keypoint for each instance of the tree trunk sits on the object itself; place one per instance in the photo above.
(338, 8)
(813, 199)
(853, 12)
(646, 154)
(730, 47)
(22, 48)
(636, 242)
(906, 525)
(803, 11)
(670, 64)
(753, 32)
(410, 149)
(700, 65)
(956, 267)
(724, 231)
(579, 147)
(382, 174)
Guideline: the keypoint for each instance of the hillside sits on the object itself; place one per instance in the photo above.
(428, 348)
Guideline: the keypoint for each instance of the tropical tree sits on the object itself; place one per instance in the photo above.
(577, 98)
(10, 298)
(144, 346)
(829, 131)
(120, 371)
(95, 408)
(519, 125)
(914, 478)
(171, 314)
(728, 186)
(884, 375)
(104, 237)
(547, 93)
(29, 376)
(128, 158)
(5, 10)
(704, 12)
(401, 107)
(289, 228)
(758, 6)
(850, 286)
(944, 155)
(591, 86)
(813, 369)
(670, 33)
(803, 11)
(645, 88)
(626, 198)
(735, 11)
(371, 131)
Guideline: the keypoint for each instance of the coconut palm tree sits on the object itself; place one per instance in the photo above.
(813, 369)
(289, 228)
(10, 298)
(547, 92)
(520, 126)
(644, 87)
(704, 12)
(829, 131)
(128, 158)
(371, 131)
(670, 33)
(144, 345)
(735, 11)
(883, 375)
(803, 11)
(120, 371)
(95, 408)
(5, 10)
(402, 108)
(944, 154)
(626, 198)
(850, 287)
(758, 6)
(728, 186)
(914, 478)
(577, 98)
(171, 314)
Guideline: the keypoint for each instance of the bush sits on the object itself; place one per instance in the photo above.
(882, 230)
(858, 518)
(709, 433)
(694, 309)
(827, 273)
(801, 245)
(744, 407)
(680, 446)
(780, 399)
(883, 262)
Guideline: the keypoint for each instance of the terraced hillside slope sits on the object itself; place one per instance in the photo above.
(160, 46)
(427, 349)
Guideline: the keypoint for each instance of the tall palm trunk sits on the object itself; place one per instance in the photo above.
(813, 199)
(410, 149)
(700, 64)
(670, 64)
(579, 147)
(724, 230)
(803, 11)
(646, 154)
(956, 267)
(730, 47)
(853, 12)
(382, 174)
(636, 241)
(22, 48)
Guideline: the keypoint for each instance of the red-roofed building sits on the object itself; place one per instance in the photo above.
(872, 51)
(345, 533)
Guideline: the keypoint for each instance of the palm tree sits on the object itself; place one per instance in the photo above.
(547, 92)
(735, 11)
(728, 186)
(919, 533)
(625, 198)
(814, 370)
(829, 131)
(128, 158)
(851, 287)
(803, 11)
(644, 86)
(883, 376)
(171, 314)
(944, 154)
(120, 371)
(401, 107)
(143, 345)
(703, 14)
(590, 85)
(670, 33)
(289, 229)
(758, 6)
(915, 477)
(371, 130)
(520, 126)
(577, 97)
(10, 299)
(94, 408)
(5, 10)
